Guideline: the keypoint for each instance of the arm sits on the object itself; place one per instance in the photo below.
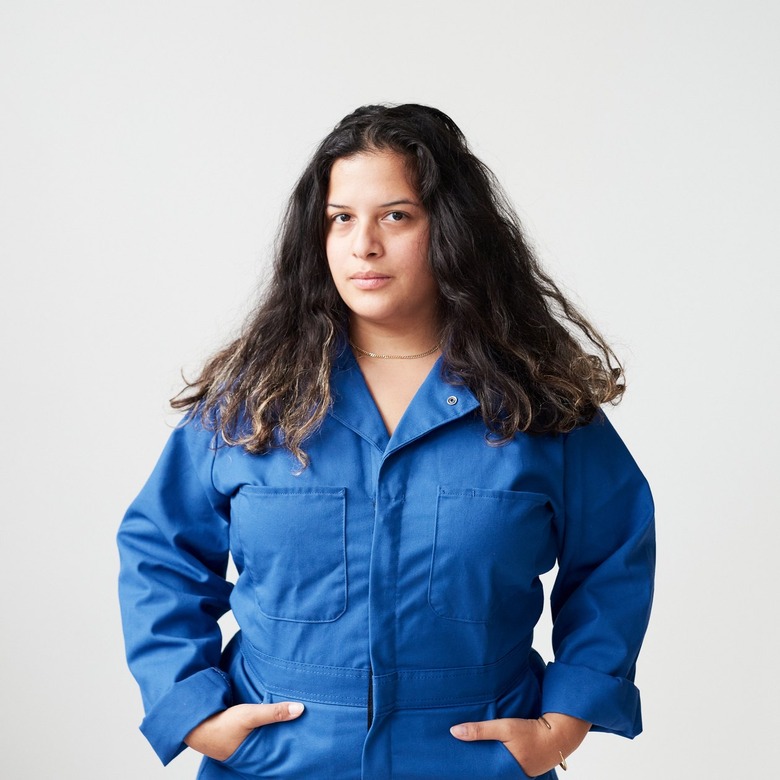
(603, 592)
(600, 605)
(173, 545)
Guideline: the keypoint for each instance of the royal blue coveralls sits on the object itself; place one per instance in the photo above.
(392, 586)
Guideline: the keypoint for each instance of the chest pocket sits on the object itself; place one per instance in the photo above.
(489, 547)
(293, 547)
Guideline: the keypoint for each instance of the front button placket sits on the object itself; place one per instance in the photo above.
(433, 406)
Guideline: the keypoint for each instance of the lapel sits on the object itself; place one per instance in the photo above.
(436, 403)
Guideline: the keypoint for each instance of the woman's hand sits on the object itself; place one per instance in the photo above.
(220, 735)
(535, 747)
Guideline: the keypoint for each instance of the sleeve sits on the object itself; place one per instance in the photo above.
(603, 591)
(173, 548)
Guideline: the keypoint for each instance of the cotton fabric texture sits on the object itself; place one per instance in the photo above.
(402, 568)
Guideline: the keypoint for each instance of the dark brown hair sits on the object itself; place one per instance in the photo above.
(507, 331)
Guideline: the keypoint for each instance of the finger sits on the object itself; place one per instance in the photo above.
(252, 716)
(485, 729)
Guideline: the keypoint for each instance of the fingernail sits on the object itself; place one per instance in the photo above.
(295, 709)
(459, 731)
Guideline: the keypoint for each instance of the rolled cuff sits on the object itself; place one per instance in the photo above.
(610, 703)
(183, 707)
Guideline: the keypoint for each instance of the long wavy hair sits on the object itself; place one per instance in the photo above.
(507, 332)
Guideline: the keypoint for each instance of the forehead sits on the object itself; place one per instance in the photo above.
(370, 175)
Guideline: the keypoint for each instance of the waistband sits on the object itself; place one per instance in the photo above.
(396, 690)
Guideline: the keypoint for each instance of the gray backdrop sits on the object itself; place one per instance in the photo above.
(146, 149)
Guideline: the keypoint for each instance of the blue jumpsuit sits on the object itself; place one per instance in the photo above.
(392, 586)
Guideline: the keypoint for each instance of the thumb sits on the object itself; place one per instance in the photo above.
(485, 729)
(254, 715)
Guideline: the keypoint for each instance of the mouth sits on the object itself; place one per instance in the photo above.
(369, 280)
(369, 275)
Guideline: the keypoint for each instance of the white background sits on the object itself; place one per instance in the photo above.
(146, 149)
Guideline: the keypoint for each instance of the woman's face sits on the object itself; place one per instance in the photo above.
(377, 242)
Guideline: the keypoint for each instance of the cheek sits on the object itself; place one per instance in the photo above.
(423, 264)
(423, 250)
(332, 254)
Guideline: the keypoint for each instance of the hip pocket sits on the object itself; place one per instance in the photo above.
(326, 741)
(292, 544)
(489, 547)
(422, 747)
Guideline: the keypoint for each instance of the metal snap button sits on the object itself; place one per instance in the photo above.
(452, 400)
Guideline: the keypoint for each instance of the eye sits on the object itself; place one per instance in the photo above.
(396, 216)
(341, 219)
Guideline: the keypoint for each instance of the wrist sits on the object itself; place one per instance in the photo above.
(565, 733)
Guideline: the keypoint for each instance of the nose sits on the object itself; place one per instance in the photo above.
(367, 244)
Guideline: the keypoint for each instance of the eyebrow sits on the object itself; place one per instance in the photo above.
(401, 202)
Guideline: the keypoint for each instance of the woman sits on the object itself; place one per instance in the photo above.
(404, 437)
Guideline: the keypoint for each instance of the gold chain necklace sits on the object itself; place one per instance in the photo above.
(394, 357)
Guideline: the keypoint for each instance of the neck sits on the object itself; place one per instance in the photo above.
(389, 341)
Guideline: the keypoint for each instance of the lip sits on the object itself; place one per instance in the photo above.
(369, 280)
(369, 275)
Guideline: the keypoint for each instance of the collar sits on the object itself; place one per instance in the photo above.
(436, 403)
